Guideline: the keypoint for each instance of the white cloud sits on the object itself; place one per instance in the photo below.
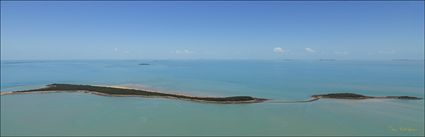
(184, 51)
(309, 50)
(278, 50)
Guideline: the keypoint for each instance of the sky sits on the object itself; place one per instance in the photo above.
(363, 30)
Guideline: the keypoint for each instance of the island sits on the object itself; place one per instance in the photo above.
(114, 91)
(358, 96)
(121, 91)
(327, 59)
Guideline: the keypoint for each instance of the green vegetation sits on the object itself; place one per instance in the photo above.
(115, 91)
(136, 92)
(358, 96)
(341, 96)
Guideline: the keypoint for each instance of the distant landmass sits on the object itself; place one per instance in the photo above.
(327, 59)
(144, 64)
(407, 60)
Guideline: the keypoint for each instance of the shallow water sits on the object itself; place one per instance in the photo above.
(84, 114)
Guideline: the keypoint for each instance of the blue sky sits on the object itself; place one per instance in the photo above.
(212, 30)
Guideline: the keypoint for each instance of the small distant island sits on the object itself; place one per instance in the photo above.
(407, 60)
(118, 91)
(327, 59)
(143, 64)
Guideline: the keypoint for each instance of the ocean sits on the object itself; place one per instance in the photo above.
(87, 114)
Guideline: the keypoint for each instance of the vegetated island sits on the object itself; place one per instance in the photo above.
(116, 91)
(358, 96)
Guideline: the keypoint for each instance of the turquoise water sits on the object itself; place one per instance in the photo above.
(84, 114)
